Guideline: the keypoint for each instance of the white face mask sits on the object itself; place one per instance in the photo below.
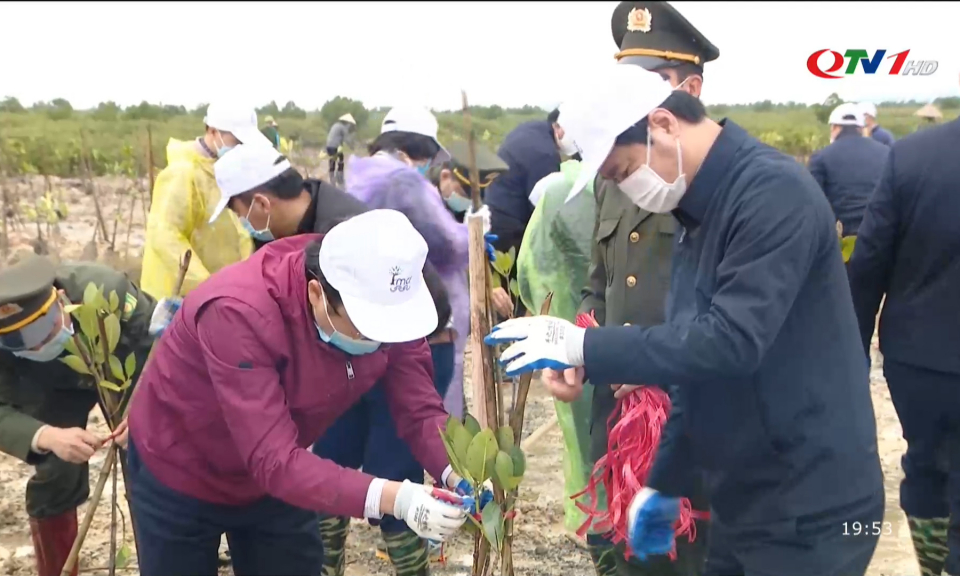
(567, 146)
(649, 191)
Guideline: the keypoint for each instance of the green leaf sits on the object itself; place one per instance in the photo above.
(110, 386)
(502, 263)
(471, 424)
(114, 301)
(504, 437)
(88, 321)
(493, 524)
(123, 556)
(455, 462)
(90, 295)
(116, 368)
(847, 244)
(514, 287)
(481, 455)
(461, 443)
(495, 281)
(519, 461)
(452, 424)
(76, 364)
(130, 365)
(111, 325)
(71, 346)
(503, 472)
(70, 308)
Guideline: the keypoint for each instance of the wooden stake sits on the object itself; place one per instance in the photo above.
(88, 518)
(84, 161)
(112, 562)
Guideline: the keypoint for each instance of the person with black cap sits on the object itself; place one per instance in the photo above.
(849, 168)
(44, 404)
(630, 268)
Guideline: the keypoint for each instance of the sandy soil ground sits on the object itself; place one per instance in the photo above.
(542, 546)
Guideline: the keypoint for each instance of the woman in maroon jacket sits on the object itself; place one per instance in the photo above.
(258, 362)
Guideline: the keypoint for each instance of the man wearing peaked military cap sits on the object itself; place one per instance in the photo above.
(452, 178)
(633, 248)
(44, 404)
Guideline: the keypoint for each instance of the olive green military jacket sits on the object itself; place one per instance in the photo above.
(630, 266)
(32, 390)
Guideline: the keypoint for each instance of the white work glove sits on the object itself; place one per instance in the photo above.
(483, 212)
(163, 314)
(538, 342)
(424, 514)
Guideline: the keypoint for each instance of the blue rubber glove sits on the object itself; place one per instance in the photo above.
(538, 342)
(464, 488)
(650, 523)
(163, 315)
(490, 238)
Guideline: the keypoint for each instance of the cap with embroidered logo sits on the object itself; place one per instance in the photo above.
(655, 35)
(28, 310)
(375, 261)
(244, 168)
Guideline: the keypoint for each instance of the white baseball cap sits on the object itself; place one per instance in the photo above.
(240, 121)
(243, 169)
(869, 108)
(417, 120)
(620, 97)
(847, 109)
(375, 260)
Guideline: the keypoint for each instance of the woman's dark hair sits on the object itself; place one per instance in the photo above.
(287, 186)
(684, 70)
(682, 105)
(553, 116)
(417, 146)
(312, 266)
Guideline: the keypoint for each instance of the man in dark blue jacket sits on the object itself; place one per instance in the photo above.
(908, 249)
(849, 168)
(531, 152)
(760, 340)
(877, 132)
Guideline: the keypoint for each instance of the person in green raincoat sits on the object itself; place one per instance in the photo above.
(555, 256)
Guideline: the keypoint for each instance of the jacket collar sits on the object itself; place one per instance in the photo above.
(693, 206)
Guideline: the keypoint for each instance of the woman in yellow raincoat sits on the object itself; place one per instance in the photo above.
(184, 196)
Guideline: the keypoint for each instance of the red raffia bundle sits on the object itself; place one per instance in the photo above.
(631, 446)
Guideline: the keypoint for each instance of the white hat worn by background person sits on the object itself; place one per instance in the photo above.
(868, 108)
(241, 121)
(347, 118)
(417, 120)
(620, 97)
(375, 260)
(847, 109)
(244, 168)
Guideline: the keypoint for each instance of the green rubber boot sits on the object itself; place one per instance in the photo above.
(604, 557)
(333, 533)
(408, 553)
(930, 543)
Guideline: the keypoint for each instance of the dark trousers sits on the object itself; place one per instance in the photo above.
(366, 436)
(335, 161)
(812, 545)
(928, 405)
(180, 536)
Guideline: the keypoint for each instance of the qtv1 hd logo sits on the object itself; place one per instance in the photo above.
(879, 63)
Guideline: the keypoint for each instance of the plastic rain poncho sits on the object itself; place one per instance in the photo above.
(184, 196)
(382, 181)
(555, 256)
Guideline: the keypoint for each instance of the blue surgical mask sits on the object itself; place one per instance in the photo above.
(222, 148)
(422, 169)
(264, 235)
(458, 203)
(52, 349)
(349, 345)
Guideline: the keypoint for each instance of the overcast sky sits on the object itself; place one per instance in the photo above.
(387, 54)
